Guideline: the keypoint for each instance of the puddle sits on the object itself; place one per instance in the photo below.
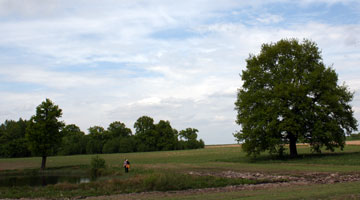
(11, 181)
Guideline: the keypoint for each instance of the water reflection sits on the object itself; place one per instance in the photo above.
(11, 181)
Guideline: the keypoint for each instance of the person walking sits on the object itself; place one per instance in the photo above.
(126, 165)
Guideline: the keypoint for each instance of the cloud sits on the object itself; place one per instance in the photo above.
(26, 8)
(269, 19)
(118, 60)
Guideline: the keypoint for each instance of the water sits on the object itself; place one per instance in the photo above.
(11, 181)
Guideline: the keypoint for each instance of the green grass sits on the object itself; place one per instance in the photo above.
(338, 191)
(168, 170)
(353, 137)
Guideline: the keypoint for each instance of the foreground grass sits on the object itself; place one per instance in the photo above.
(164, 171)
(337, 191)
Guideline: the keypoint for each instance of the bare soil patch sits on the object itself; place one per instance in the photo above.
(355, 142)
(322, 178)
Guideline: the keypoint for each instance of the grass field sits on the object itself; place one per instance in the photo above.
(217, 172)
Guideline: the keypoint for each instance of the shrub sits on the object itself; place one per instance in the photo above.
(97, 165)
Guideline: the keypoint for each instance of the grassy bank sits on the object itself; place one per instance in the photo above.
(338, 191)
(172, 170)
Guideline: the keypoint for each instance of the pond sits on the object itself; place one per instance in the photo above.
(11, 181)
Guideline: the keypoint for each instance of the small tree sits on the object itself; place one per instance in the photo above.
(43, 130)
(289, 95)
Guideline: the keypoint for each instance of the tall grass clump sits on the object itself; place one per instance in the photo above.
(178, 181)
(97, 165)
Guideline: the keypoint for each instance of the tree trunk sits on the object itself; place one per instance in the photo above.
(293, 150)
(43, 162)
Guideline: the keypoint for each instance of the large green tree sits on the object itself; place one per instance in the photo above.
(288, 96)
(43, 130)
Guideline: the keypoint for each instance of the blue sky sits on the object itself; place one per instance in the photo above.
(105, 61)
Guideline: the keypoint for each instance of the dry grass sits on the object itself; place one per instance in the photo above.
(355, 142)
(222, 146)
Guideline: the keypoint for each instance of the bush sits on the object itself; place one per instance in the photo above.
(97, 165)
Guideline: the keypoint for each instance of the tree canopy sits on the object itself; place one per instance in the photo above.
(43, 130)
(288, 96)
(12, 139)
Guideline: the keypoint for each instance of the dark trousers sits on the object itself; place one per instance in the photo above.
(126, 169)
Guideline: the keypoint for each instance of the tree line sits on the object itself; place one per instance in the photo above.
(43, 135)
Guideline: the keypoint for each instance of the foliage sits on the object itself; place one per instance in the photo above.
(118, 129)
(289, 96)
(12, 139)
(117, 138)
(166, 137)
(112, 146)
(190, 137)
(73, 141)
(43, 130)
(144, 124)
(97, 164)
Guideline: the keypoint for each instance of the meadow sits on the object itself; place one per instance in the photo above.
(216, 172)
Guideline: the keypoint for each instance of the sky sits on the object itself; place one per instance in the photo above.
(118, 60)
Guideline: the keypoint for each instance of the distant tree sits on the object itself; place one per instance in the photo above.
(112, 146)
(145, 134)
(189, 136)
(73, 141)
(12, 139)
(166, 137)
(288, 96)
(71, 129)
(144, 124)
(97, 138)
(127, 144)
(43, 130)
(118, 129)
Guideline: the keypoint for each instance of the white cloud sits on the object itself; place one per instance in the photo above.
(191, 81)
(269, 19)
